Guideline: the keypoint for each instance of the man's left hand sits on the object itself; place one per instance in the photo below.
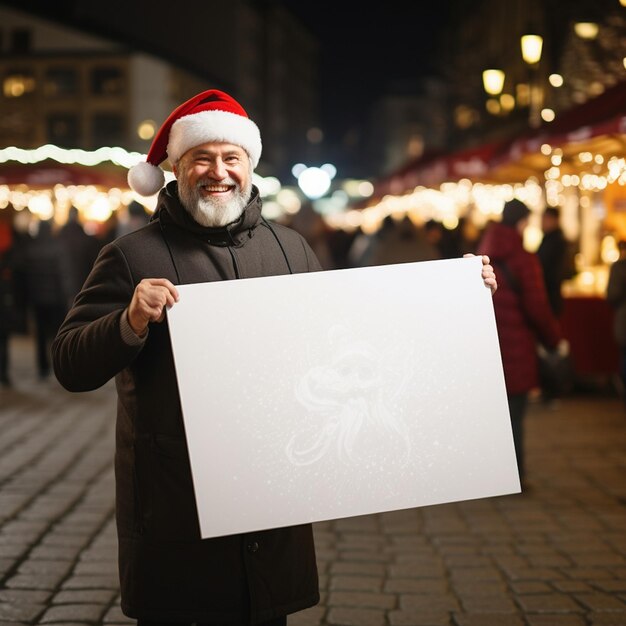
(489, 276)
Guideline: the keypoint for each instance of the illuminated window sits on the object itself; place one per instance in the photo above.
(16, 85)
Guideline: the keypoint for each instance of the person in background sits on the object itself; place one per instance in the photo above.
(8, 304)
(616, 295)
(49, 286)
(80, 248)
(207, 227)
(523, 315)
(552, 253)
(136, 218)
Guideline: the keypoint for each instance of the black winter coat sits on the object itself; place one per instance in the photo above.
(167, 572)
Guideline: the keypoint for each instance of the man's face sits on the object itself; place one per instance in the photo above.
(214, 182)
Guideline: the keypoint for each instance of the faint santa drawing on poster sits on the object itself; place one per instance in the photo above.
(352, 405)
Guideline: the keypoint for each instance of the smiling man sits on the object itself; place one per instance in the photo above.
(207, 227)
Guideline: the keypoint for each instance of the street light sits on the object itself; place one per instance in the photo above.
(531, 48)
(532, 45)
(493, 81)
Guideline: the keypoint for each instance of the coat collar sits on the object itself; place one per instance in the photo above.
(170, 211)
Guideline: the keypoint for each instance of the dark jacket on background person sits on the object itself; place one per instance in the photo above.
(81, 249)
(167, 572)
(552, 254)
(523, 315)
(616, 295)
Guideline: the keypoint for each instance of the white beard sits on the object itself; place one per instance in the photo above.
(213, 212)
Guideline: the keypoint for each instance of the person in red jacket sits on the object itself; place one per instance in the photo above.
(523, 314)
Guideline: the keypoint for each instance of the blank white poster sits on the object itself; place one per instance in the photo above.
(332, 394)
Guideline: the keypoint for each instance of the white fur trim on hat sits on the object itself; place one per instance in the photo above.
(219, 126)
(146, 179)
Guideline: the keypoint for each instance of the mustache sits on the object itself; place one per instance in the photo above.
(212, 181)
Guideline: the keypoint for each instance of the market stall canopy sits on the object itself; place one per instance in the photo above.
(596, 127)
(48, 173)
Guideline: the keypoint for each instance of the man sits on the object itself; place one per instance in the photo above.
(523, 315)
(207, 227)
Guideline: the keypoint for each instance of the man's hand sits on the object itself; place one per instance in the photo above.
(489, 276)
(151, 297)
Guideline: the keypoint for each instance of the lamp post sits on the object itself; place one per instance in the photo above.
(532, 45)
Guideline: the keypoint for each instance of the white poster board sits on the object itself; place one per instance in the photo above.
(332, 394)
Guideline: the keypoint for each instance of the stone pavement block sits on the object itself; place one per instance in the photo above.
(91, 582)
(479, 588)
(548, 603)
(531, 587)
(415, 585)
(361, 555)
(356, 583)
(609, 585)
(12, 551)
(362, 569)
(356, 617)
(533, 573)
(54, 553)
(599, 559)
(467, 560)
(488, 604)
(84, 596)
(309, 617)
(73, 613)
(97, 568)
(430, 602)
(21, 611)
(571, 586)
(5, 566)
(115, 616)
(45, 567)
(487, 619)
(35, 581)
(601, 602)
(421, 555)
(414, 570)
(556, 620)
(588, 573)
(24, 596)
(606, 619)
(361, 599)
(418, 618)
(548, 560)
(475, 573)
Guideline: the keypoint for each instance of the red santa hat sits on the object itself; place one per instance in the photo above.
(210, 116)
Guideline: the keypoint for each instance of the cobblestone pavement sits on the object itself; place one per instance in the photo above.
(554, 556)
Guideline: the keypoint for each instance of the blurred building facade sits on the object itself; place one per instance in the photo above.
(80, 77)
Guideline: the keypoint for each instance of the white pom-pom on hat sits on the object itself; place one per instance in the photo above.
(146, 179)
(210, 116)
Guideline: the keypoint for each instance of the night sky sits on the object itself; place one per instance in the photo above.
(370, 49)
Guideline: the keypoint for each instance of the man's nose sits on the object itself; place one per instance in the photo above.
(218, 169)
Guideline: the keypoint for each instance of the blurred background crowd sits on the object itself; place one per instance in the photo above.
(385, 141)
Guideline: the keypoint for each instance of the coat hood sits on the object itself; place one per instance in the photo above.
(170, 211)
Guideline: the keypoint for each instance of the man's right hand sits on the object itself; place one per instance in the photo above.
(150, 298)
